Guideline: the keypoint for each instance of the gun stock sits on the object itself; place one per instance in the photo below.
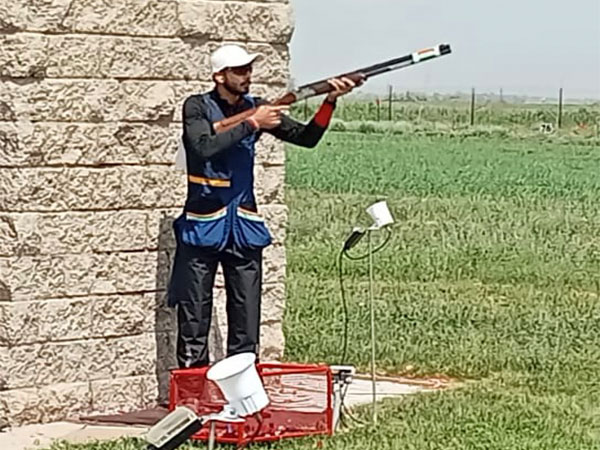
(323, 87)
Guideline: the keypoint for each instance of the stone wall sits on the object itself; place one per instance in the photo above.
(90, 98)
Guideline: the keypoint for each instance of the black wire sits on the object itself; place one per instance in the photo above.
(354, 419)
(260, 421)
(344, 411)
(375, 250)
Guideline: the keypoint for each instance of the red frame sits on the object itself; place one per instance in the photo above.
(315, 423)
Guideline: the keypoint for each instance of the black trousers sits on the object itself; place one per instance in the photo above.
(191, 289)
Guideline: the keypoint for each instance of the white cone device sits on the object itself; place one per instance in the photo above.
(380, 214)
(238, 379)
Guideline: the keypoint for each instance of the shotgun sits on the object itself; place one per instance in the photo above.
(323, 87)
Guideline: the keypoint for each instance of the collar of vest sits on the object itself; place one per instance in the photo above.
(245, 102)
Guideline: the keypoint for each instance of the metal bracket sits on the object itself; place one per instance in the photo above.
(342, 378)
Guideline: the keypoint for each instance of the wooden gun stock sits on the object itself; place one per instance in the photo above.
(323, 87)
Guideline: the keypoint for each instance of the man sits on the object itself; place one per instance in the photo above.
(220, 223)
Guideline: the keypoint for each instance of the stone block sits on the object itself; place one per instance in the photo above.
(272, 342)
(23, 55)
(146, 271)
(72, 232)
(59, 100)
(77, 56)
(153, 187)
(41, 277)
(269, 184)
(159, 227)
(67, 189)
(164, 318)
(245, 21)
(57, 320)
(5, 323)
(33, 15)
(123, 315)
(274, 264)
(27, 277)
(61, 189)
(270, 151)
(79, 318)
(135, 143)
(139, 101)
(133, 17)
(123, 394)
(160, 59)
(46, 404)
(276, 219)
(81, 361)
(4, 367)
(273, 303)
(10, 143)
(71, 144)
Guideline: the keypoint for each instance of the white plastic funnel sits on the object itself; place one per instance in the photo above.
(381, 214)
(238, 379)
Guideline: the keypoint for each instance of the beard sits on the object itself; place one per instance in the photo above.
(237, 89)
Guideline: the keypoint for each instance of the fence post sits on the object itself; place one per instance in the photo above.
(560, 108)
(378, 109)
(390, 103)
(472, 106)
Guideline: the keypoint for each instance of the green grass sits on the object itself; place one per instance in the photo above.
(526, 170)
(492, 276)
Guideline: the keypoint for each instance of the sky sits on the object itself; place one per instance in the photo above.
(524, 47)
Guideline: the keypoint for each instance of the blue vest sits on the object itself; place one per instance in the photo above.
(220, 209)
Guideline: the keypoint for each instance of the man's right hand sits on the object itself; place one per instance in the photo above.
(268, 117)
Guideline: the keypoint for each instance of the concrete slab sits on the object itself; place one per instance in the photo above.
(103, 433)
(36, 437)
(361, 391)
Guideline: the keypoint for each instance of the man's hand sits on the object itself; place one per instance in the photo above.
(268, 117)
(341, 87)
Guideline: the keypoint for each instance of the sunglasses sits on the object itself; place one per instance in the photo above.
(242, 70)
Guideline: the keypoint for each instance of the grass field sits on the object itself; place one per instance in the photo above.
(492, 276)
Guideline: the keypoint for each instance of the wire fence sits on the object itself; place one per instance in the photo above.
(461, 110)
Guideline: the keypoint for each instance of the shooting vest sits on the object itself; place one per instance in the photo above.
(220, 209)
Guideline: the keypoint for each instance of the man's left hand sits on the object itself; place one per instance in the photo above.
(341, 86)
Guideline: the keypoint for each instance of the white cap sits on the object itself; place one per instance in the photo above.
(230, 56)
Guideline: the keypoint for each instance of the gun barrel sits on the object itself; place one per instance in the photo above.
(321, 87)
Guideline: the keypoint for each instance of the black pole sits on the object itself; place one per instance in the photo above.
(390, 103)
(560, 107)
(472, 106)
